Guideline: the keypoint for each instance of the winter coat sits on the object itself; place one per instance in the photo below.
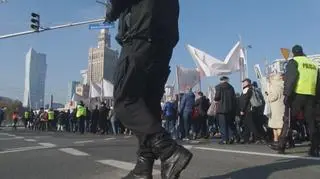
(226, 98)
(187, 102)
(169, 109)
(203, 105)
(275, 99)
(152, 20)
(244, 101)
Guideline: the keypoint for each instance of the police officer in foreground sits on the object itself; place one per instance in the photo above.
(300, 89)
(148, 32)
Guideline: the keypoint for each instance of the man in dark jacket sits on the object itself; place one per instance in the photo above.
(202, 104)
(95, 119)
(226, 109)
(248, 114)
(186, 107)
(301, 90)
(148, 32)
(103, 116)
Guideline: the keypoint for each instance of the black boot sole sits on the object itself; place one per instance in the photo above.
(182, 164)
(134, 176)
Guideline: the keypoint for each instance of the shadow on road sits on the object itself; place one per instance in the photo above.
(264, 171)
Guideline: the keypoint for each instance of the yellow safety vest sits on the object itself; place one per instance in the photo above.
(50, 115)
(26, 115)
(307, 77)
(81, 111)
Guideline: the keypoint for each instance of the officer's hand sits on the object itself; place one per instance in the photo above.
(108, 17)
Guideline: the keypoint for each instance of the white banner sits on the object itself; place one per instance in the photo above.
(97, 91)
(107, 89)
(187, 78)
(211, 66)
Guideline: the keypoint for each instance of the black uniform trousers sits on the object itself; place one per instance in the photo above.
(139, 82)
(305, 104)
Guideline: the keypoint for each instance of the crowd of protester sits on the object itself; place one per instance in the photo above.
(101, 120)
(232, 117)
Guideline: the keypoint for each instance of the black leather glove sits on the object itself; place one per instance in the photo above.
(108, 17)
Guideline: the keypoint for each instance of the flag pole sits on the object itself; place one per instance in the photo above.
(241, 61)
(177, 77)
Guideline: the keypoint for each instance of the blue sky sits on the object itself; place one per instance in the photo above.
(211, 25)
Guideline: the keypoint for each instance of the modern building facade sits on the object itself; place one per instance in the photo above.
(102, 60)
(72, 89)
(35, 78)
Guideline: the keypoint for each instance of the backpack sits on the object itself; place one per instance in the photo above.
(256, 99)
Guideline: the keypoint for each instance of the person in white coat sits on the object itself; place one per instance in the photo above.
(275, 99)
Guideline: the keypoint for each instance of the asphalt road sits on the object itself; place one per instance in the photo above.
(47, 155)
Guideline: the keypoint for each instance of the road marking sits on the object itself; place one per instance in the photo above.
(83, 142)
(22, 149)
(19, 137)
(30, 140)
(112, 138)
(194, 142)
(256, 153)
(188, 146)
(73, 151)
(7, 134)
(38, 137)
(123, 165)
(50, 145)
(126, 137)
(1, 139)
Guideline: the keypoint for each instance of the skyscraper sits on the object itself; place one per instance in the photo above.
(72, 89)
(35, 78)
(84, 77)
(102, 59)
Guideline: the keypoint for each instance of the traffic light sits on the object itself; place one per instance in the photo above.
(35, 21)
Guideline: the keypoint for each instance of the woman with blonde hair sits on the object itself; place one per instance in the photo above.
(275, 98)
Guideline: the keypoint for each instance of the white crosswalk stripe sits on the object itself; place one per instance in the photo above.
(123, 165)
(30, 140)
(83, 142)
(22, 149)
(74, 152)
(111, 138)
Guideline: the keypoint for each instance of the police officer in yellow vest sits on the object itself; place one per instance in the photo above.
(51, 118)
(300, 90)
(81, 116)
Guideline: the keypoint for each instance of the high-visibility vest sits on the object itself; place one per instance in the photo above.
(50, 115)
(307, 77)
(81, 111)
(26, 115)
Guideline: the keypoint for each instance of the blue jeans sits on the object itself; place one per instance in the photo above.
(185, 124)
(226, 128)
(170, 125)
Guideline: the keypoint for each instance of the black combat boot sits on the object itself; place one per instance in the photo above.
(142, 170)
(174, 158)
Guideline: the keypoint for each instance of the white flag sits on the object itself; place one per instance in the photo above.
(208, 65)
(107, 89)
(95, 90)
(187, 78)
(234, 58)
